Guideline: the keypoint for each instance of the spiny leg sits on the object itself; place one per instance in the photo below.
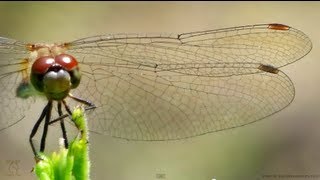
(89, 106)
(67, 107)
(63, 128)
(36, 126)
(88, 103)
(60, 115)
(45, 128)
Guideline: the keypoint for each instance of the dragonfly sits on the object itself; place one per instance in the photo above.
(154, 87)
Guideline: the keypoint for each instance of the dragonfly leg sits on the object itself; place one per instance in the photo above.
(88, 103)
(36, 126)
(46, 125)
(63, 128)
(67, 107)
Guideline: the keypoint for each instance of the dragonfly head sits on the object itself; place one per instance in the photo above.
(55, 76)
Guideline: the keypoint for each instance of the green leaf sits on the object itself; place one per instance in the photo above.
(67, 164)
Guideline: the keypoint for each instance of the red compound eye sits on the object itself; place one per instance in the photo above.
(66, 61)
(41, 65)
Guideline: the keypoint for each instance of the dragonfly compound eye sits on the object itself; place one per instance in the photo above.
(39, 68)
(66, 61)
(70, 64)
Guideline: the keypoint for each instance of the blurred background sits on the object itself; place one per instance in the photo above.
(286, 143)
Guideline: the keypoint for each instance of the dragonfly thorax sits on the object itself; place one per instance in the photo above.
(55, 75)
(40, 49)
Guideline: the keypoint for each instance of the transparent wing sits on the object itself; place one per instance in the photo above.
(161, 87)
(13, 71)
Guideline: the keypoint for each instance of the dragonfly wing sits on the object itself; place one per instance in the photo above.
(164, 106)
(13, 71)
(161, 87)
(274, 44)
(252, 44)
